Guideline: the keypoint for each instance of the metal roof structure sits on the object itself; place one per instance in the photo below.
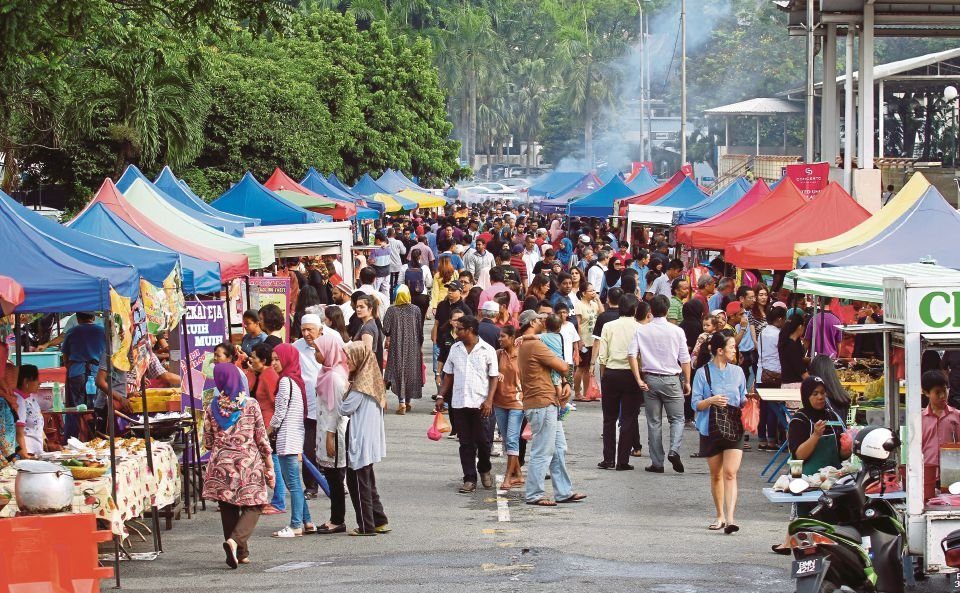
(902, 18)
(759, 106)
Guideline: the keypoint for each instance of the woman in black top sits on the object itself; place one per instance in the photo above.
(792, 367)
(271, 320)
(692, 321)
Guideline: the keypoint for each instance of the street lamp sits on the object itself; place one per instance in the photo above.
(950, 94)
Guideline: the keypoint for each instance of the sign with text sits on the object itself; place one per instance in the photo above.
(271, 291)
(206, 327)
(809, 178)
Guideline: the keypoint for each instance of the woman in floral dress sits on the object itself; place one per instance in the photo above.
(240, 466)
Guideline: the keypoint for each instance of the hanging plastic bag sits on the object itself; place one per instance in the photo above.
(751, 415)
(527, 433)
(593, 390)
(441, 422)
(846, 442)
(433, 433)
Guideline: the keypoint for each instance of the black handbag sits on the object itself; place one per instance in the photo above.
(725, 423)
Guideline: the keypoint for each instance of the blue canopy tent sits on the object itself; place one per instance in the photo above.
(199, 276)
(609, 174)
(556, 183)
(181, 192)
(335, 182)
(685, 195)
(717, 203)
(599, 204)
(413, 185)
(924, 233)
(394, 182)
(315, 182)
(249, 197)
(132, 173)
(57, 277)
(642, 182)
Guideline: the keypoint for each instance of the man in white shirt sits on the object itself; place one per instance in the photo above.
(397, 250)
(595, 273)
(367, 277)
(479, 260)
(658, 356)
(531, 255)
(341, 298)
(311, 327)
(664, 283)
(470, 378)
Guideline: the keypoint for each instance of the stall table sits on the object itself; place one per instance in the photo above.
(814, 496)
(136, 489)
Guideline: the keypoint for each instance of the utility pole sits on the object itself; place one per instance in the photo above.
(646, 83)
(643, 139)
(683, 82)
(811, 51)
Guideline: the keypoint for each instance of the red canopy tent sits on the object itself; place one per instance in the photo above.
(11, 294)
(831, 212)
(653, 195)
(755, 194)
(232, 265)
(779, 203)
(281, 181)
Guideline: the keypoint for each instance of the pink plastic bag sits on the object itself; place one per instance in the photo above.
(527, 433)
(751, 415)
(435, 432)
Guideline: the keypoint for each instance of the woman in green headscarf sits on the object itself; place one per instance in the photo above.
(403, 326)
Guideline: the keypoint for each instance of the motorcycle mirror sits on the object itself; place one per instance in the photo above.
(798, 486)
(954, 488)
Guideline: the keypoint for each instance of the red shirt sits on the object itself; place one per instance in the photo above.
(938, 431)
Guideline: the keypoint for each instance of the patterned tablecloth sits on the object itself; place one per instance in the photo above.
(137, 488)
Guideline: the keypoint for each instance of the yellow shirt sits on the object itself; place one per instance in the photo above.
(615, 340)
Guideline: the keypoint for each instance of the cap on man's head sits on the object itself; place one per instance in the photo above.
(491, 307)
(527, 317)
(734, 307)
(311, 319)
(454, 285)
(346, 287)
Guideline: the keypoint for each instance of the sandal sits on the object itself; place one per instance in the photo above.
(357, 532)
(542, 502)
(244, 561)
(309, 528)
(230, 547)
(288, 533)
(717, 526)
(576, 497)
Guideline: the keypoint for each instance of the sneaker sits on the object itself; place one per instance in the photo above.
(675, 461)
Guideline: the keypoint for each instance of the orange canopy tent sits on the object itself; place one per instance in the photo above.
(653, 195)
(280, 181)
(831, 212)
(755, 194)
(780, 202)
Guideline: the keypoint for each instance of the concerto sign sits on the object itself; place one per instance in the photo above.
(809, 178)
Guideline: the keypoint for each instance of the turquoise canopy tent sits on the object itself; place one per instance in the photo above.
(249, 196)
(685, 195)
(315, 182)
(642, 182)
(600, 203)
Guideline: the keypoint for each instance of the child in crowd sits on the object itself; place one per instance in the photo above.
(29, 416)
(253, 333)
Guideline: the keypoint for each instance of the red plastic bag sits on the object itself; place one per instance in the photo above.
(751, 415)
(527, 433)
(434, 433)
(593, 390)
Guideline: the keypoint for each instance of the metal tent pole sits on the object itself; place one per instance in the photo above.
(111, 432)
(154, 511)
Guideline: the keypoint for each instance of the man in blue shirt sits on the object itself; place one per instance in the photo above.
(82, 348)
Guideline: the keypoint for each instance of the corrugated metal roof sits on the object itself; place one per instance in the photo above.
(758, 106)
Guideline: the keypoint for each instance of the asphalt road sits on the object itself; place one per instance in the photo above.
(636, 531)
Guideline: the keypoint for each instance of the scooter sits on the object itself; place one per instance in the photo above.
(852, 542)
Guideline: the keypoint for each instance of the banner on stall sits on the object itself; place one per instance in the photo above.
(206, 326)
(122, 330)
(810, 178)
(271, 291)
(687, 170)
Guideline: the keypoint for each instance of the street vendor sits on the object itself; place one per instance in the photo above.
(940, 426)
(814, 431)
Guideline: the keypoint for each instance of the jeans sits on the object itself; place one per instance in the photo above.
(474, 446)
(547, 449)
(279, 500)
(76, 394)
(382, 283)
(769, 422)
(509, 422)
(299, 511)
(665, 394)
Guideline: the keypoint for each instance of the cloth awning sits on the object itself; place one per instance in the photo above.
(873, 226)
(423, 200)
(199, 276)
(285, 186)
(555, 183)
(232, 265)
(861, 283)
(143, 198)
(179, 190)
(599, 204)
(719, 202)
(926, 232)
(756, 194)
(132, 173)
(779, 203)
(316, 183)
(395, 182)
(366, 186)
(831, 212)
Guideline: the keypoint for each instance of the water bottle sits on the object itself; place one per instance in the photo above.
(57, 397)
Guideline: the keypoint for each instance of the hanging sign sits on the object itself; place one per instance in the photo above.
(809, 178)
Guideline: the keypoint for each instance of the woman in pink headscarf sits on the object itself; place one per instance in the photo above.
(331, 426)
(556, 232)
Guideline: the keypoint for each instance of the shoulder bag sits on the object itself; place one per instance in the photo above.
(726, 422)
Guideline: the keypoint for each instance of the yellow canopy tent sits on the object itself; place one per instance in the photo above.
(871, 227)
(423, 200)
(392, 204)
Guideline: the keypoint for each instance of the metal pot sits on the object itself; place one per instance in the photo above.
(43, 487)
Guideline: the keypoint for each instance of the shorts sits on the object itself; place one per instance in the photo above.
(710, 446)
(585, 357)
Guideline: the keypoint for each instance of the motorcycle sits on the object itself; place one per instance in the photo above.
(851, 542)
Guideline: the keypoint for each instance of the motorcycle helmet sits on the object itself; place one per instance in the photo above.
(874, 445)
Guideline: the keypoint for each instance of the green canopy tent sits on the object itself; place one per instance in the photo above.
(859, 283)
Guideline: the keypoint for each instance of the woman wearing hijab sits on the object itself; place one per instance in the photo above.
(366, 442)
(288, 429)
(691, 321)
(565, 254)
(814, 431)
(403, 327)
(331, 426)
(611, 278)
(555, 231)
(240, 466)
(263, 387)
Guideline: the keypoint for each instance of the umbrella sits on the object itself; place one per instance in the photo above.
(11, 294)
